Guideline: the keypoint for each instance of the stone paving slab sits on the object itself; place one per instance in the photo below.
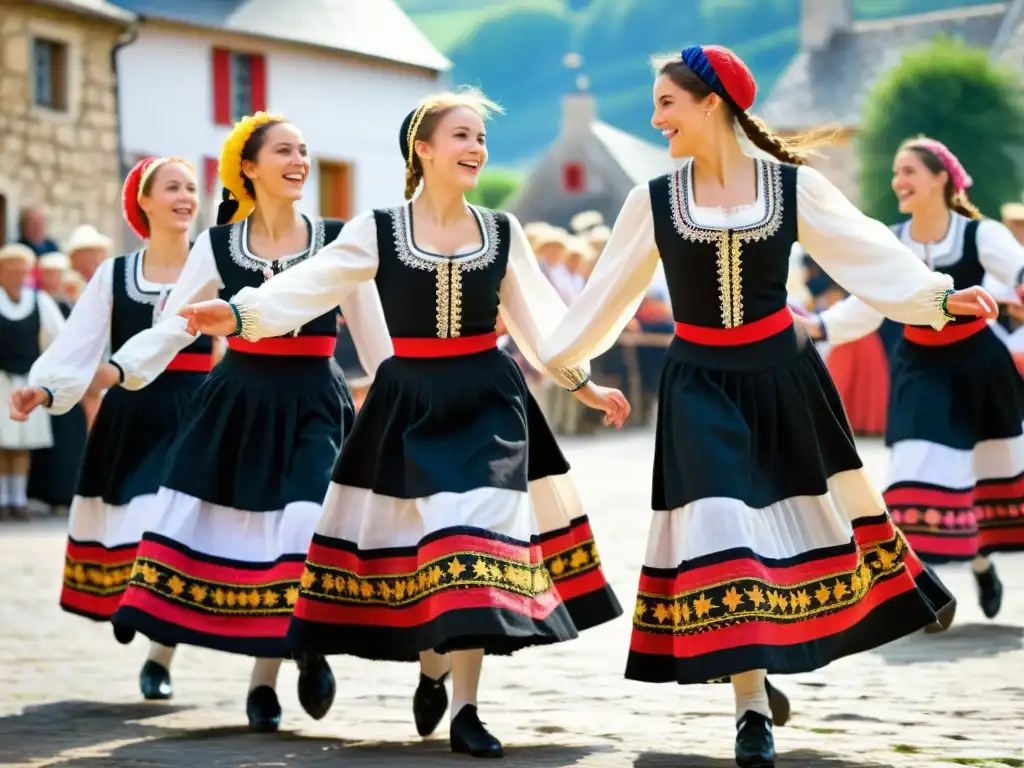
(69, 696)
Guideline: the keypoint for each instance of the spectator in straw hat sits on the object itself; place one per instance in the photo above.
(1013, 217)
(29, 321)
(86, 248)
(50, 271)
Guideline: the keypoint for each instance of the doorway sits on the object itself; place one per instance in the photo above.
(335, 190)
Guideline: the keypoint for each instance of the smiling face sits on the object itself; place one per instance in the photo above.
(916, 185)
(455, 150)
(281, 163)
(684, 110)
(171, 198)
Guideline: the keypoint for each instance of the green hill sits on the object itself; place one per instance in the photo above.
(515, 49)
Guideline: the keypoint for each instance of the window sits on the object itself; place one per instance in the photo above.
(239, 85)
(50, 74)
(573, 178)
(335, 190)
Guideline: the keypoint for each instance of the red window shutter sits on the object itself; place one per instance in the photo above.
(221, 86)
(210, 179)
(573, 177)
(258, 71)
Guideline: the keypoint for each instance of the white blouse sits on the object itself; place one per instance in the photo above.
(147, 354)
(528, 303)
(1000, 254)
(861, 254)
(69, 364)
(51, 320)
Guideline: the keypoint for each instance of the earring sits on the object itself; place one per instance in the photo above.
(707, 114)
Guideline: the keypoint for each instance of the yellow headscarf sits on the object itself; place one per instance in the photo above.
(230, 168)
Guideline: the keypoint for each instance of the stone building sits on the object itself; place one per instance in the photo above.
(841, 58)
(58, 113)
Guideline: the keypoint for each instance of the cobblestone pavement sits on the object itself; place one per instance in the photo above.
(69, 697)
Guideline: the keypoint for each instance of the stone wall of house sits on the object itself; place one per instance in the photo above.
(66, 161)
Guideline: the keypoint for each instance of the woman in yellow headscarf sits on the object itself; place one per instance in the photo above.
(221, 565)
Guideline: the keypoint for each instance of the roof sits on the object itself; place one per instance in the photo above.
(1009, 44)
(379, 29)
(639, 159)
(829, 86)
(99, 9)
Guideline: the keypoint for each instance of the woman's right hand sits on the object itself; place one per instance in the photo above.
(25, 400)
(811, 324)
(214, 318)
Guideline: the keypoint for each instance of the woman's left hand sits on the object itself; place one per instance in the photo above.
(614, 404)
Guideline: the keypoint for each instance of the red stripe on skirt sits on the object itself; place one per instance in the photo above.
(581, 584)
(297, 346)
(916, 496)
(763, 632)
(104, 606)
(202, 570)
(98, 554)
(427, 608)
(944, 544)
(1002, 536)
(1000, 490)
(231, 625)
(578, 534)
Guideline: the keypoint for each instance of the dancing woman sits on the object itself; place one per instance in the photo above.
(451, 523)
(129, 442)
(220, 564)
(769, 549)
(956, 475)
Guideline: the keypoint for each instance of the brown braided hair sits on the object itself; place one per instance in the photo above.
(421, 123)
(786, 149)
(957, 201)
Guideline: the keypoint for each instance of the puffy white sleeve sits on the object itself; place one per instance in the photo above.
(532, 308)
(316, 286)
(614, 291)
(148, 353)
(849, 320)
(69, 363)
(865, 257)
(51, 319)
(999, 252)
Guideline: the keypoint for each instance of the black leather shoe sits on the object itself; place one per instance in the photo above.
(429, 703)
(990, 592)
(263, 709)
(779, 703)
(316, 684)
(124, 635)
(155, 682)
(469, 737)
(755, 744)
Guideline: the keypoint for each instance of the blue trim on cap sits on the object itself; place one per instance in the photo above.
(694, 57)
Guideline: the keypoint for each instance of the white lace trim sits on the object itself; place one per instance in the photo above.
(243, 258)
(411, 256)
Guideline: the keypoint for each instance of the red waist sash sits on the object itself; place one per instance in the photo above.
(453, 347)
(193, 362)
(286, 346)
(748, 333)
(950, 334)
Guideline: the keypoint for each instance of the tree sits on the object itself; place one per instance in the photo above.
(495, 188)
(954, 93)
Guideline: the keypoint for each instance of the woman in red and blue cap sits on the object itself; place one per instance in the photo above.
(956, 476)
(769, 550)
(129, 442)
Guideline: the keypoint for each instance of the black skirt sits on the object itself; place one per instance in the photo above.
(241, 494)
(956, 474)
(768, 548)
(122, 466)
(54, 471)
(451, 522)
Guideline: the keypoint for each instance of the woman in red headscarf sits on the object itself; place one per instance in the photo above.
(956, 476)
(769, 552)
(125, 453)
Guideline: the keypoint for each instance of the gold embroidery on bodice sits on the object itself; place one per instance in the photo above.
(447, 269)
(729, 241)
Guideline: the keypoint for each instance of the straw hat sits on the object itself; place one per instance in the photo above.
(54, 260)
(13, 251)
(550, 236)
(87, 236)
(1012, 212)
(586, 220)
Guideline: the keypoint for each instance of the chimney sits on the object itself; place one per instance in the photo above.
(822, 20)
(579, 111)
